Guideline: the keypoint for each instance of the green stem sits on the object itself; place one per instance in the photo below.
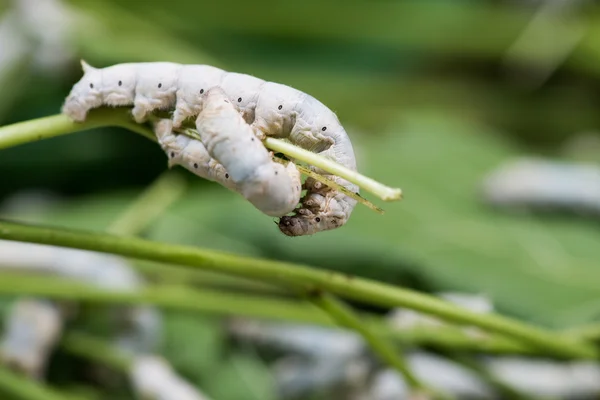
(345, 316)
(22, 388)
(58, 125)
(176, 274)
(97, 350)
(384, 192)
(163, 192)
(236, 304)
(297, 277)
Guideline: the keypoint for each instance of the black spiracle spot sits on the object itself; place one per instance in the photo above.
(195, 165)
(120, 83)
(226, 176)
(239, 99)
(201, 91)
(172, 154)
(280, 107)
(324, 128)
(276, 173)
(318, 219)
(159, 85)
(91, 85)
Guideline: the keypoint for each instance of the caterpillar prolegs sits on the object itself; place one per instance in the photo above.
(269, 109)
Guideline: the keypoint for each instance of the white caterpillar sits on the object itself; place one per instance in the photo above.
(271, 109)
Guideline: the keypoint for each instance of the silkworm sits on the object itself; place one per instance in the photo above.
(271, 109)
(32, 329)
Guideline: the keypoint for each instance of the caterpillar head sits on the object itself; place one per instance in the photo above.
(276, 109)
(322, 209)
(318, 213)
(118, 84)
(275, 189)
(85, 95)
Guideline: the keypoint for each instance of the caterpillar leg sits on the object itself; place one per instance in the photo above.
(270, 186)
(190, 154)
(182, 112)
(141, 110)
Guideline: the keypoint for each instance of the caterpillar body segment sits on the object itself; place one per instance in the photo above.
(193, 83)
(156, 89)
(276, 110)
(243, 91)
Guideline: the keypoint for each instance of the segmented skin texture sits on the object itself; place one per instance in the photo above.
(270, 109)
(241, 161)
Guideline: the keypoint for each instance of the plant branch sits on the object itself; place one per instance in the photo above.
(23, 388)
(384, 192)
(272, 308)
(95, 349)
(59, 125)
(344, 315)
(297, 277)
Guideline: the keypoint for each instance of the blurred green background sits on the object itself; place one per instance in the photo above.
(434, 94)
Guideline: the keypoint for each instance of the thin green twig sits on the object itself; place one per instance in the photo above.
(225, 303)
(384, 192)
(300, 278)
(163, 192)
(95, 349)
(20, 387)
(589, 332)
(59, 125)
(345, 316)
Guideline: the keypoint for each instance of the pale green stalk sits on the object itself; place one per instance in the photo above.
(163, 192)
(299, 278)
(225, 303)
(384, 192)
(97, 350)
(345, 316)
(20, 387)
